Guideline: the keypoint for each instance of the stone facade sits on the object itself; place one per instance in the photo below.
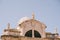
(29, 29)
(29, 24)
(10, 37)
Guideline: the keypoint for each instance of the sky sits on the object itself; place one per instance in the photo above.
(46, 11)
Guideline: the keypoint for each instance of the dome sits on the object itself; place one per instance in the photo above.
(23, 19)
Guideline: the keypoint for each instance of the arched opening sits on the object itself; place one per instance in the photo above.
(29, 34)
(37, 34)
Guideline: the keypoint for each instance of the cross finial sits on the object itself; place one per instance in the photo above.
(33, 15)
(8, 25)
(56, 30)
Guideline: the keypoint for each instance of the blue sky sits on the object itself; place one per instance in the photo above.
(46, 11)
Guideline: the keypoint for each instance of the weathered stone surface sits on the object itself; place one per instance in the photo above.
(10, 37)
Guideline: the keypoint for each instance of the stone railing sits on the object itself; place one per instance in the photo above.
(29, 38)
(11, 37)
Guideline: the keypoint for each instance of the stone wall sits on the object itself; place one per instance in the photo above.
(9, 37)
(28, 38)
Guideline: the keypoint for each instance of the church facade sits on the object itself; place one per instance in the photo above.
(28, 29)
